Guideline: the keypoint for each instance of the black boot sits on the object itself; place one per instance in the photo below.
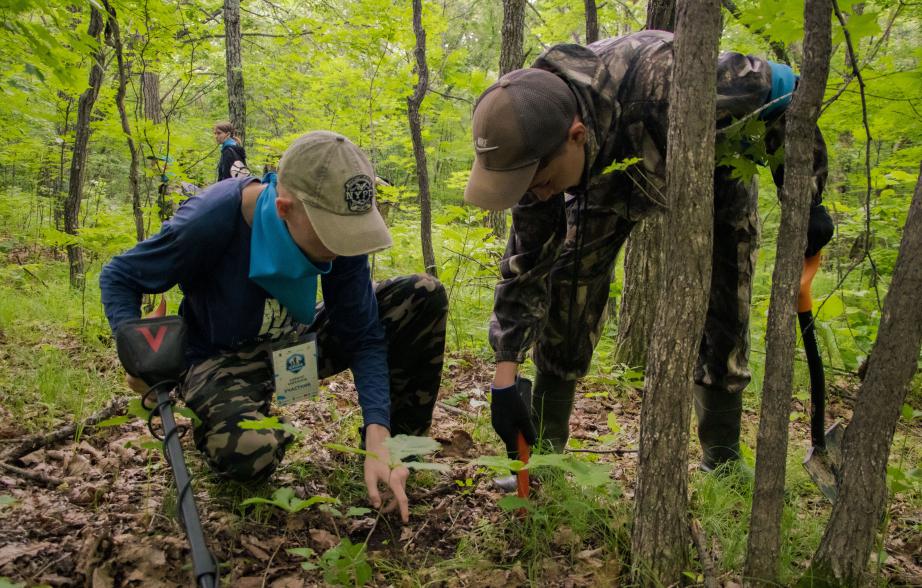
(719, 415)
(552, 403)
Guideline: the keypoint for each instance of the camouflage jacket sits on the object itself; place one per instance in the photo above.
(622, 86)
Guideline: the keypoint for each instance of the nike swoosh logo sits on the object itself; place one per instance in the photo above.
(485, 149)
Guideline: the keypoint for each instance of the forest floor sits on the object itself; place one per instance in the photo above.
(104, 515)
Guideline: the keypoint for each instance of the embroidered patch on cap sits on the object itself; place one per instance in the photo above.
(359, 193)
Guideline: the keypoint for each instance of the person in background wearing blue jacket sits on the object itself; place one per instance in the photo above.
(233, 162)
(248, 256)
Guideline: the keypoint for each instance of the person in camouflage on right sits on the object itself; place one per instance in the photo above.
(545, 139)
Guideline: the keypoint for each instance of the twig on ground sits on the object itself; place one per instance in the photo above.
(602, 451)
(42, 479)
(39, 441)
(269, 564)
(415, 535)
(452, 409)
(707, 564)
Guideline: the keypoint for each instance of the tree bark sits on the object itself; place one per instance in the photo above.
(133, 150)
(78, 160)
(419, 150)
(764, 544)
(661, 15)
(643, 256)
(660, 540)
(150, 96)
(236, 101)
(848, 539)
(511, 57)
(592, 22)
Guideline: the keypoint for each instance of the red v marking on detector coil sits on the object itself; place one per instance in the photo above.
(153, 341)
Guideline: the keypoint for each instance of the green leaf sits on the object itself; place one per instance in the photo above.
(499, 463)
(189, 414)
(831, 308)
(305, 552)
(621, 165)
(114, 421)
(136, 409)
(347, 449)
(7, 500)
(510, 502)
(357, 511)
(403, 446)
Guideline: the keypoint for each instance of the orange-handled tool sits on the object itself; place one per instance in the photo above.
(522, 475)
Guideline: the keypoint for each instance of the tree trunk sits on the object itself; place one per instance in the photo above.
(764, 545)
(661, 15)
(843, 553)
(592, 22)
(150, 96)
(419, 150)
(660, 539)
(643, 256)
(133, 150)
(236, 101)
(78, 160)
(511, 57)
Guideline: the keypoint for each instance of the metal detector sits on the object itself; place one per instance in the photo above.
(154, 351)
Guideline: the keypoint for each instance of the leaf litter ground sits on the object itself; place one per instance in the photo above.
(111, 521)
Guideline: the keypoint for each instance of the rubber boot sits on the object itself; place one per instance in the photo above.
(552, 403)
(719, 418)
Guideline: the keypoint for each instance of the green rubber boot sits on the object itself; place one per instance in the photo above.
(552, 403)
(719, 418)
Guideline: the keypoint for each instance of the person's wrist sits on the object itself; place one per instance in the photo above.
(375, 434)
(505, 374)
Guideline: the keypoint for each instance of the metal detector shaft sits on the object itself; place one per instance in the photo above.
(203, 563)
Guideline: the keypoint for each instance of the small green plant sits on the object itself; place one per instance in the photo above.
(285, 499)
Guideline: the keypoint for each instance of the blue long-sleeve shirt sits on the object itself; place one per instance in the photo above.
(205, 249)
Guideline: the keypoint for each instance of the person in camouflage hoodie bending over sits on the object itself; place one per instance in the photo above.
(545, 139)
(248, 257)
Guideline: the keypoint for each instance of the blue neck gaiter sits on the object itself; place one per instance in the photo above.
(228, 142)
(784, 80)
(276, 262)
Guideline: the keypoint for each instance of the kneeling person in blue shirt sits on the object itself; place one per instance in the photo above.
(247, 256)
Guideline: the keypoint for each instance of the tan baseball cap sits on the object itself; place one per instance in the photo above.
(521, 119)
(336, 183)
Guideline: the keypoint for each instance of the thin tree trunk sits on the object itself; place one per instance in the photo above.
(764, 545)
(661, 15)
(846, 545)
(643, 256)
(78, 160)
(133, 173)
(592, 22)
(150, 96)
(419, 149)
(236, 101)
(511, 57)
(660, 540)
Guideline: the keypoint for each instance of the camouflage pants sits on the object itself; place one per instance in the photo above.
(576, 316)
(235, 387)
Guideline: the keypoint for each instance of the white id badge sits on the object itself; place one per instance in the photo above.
(295, 367)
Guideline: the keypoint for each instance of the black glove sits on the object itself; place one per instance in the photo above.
(510, 413)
